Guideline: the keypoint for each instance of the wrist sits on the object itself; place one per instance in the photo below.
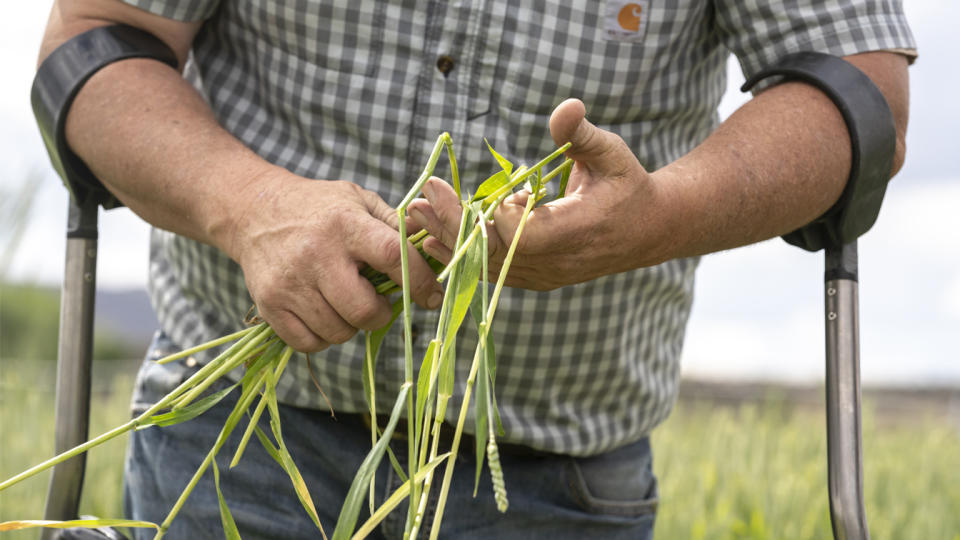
(670, 221)
(233, 215)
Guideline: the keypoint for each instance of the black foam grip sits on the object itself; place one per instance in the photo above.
(872, 139)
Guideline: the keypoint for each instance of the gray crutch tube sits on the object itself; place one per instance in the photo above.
(74, 360)
(844, 441)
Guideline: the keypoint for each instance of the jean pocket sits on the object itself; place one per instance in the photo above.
(619, 483)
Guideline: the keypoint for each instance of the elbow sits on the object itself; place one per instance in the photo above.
(888, 70)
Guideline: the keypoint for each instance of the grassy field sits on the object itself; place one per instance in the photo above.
(752, 471)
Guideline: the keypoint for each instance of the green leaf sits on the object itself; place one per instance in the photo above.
(504, 162)
(396, 498)
(230, 531)
(268, 445)
(491, 185)
(286, 460)
(347, 520)
(251, 424)
(481, 416)
(466, 287)
(490, 362)
(423, 381)
(374, 340)
(84, 523)
(189, 412)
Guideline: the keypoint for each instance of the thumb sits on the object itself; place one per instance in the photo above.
(598, 150)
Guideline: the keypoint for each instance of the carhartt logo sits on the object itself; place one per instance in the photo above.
(629, 17)
(626, 20)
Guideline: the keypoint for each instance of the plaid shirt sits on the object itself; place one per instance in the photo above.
(354, 90)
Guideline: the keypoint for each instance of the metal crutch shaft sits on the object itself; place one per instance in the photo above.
(74, 360)
(844, 443)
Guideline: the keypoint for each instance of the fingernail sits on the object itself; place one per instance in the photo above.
(418, 217)
(428, 190)
(435, 300)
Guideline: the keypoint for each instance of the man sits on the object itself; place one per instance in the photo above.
(284, 91)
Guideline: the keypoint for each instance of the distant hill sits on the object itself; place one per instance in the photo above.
(127, 315)
(30, 318)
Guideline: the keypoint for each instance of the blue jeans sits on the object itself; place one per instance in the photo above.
(613, 495)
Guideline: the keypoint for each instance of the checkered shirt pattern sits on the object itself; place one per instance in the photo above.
(351, 90)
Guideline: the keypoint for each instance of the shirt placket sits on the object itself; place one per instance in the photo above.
(458, 66)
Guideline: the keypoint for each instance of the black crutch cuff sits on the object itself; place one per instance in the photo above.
(59, 79)
(872, 139)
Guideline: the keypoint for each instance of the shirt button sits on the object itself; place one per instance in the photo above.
(445, 64)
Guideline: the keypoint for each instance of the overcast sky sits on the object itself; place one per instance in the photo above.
(758, 310)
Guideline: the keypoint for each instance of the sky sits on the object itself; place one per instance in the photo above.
(758, 311)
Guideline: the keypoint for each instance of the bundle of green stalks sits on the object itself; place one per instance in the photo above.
(264, 356)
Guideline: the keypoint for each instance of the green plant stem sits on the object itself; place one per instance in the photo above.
(208, 345)
(132, 424)
(242, 404)
(256, 338)
(464, 406)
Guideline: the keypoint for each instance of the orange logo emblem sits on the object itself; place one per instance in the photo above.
(629, 17)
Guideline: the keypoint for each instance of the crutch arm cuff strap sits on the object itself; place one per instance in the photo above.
(872, 139)
(62, 75)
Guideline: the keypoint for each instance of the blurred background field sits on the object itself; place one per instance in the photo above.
(735, 460)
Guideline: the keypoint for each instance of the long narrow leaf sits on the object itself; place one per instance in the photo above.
(268, 445)
(374, 340)
(491, 185)
(84, 523)
(424, 381)
(352, 503)
(395, 499)
(230, 531)
(189, 412)
(286, 460)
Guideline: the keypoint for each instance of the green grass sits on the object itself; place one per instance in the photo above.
(752, 472)
(26, 424)
(759, 471)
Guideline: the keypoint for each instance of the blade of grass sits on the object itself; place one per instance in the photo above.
(84, 523)
(255, 417)
(230, 531)
(256, 338)
(243, 402)
(347, 520)
(208, 345)
(394, 500)
(194, 410)
(505, 163)
(484, 329)
(286, 460)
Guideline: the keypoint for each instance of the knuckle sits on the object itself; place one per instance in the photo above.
(389, 251)
(340, 334)
(363, 314)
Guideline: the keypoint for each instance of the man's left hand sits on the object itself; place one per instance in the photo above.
(611, 219)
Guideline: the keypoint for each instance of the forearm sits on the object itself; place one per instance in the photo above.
(152, 140)
(775, 165)
(148, 135)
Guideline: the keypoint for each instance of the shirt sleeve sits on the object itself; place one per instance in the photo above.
(759, 32)
(180, 10)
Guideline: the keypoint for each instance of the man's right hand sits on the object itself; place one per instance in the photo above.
(154, 142)
(301, 244)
